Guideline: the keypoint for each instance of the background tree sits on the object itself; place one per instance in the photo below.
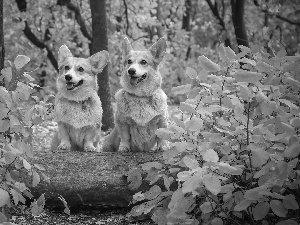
(99, 43)
(2, 49)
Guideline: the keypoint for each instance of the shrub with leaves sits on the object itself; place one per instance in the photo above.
(20, 109)
(235, 145)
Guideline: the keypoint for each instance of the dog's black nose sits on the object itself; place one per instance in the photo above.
(68, 77)
(131, 71)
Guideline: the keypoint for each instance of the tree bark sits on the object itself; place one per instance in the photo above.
(186, 23)
(99, 43)
(238, 11)
(2, 49)
(215, 11)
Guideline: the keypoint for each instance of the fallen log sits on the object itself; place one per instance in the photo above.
(88, 179)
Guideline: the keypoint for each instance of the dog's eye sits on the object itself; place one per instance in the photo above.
(129, 61)
(67, 67)
(143, 62)
(80, 69)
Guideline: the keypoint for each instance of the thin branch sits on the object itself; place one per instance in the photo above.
(31, 37)
(83, 28)
(293, 22)
(126, 15)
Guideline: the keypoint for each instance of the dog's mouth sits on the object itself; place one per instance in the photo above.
(136, 80)
(70, 85)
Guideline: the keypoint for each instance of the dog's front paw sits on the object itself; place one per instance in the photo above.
(89, 148)
(65, 146)
(123, 149)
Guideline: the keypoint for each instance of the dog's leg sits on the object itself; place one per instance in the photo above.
(161, 144)
(89, 140)
(64, 137)
(123, 129)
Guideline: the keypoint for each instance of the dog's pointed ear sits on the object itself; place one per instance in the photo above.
(63, 53)
(126, 46)
(158, 49)
(99, 60)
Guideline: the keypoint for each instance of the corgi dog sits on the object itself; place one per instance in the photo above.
(78, 109)
(141, 104)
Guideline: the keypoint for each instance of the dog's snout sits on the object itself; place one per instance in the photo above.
(131, 71)
(68, 77)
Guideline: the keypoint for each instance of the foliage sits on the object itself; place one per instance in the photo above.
(235, 145)
(16, 120)
(54, 23)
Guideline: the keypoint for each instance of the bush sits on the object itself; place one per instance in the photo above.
(20, 109)
(234, 156)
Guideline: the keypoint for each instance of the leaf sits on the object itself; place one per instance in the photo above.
(15, 196)
(261, 210)
(195, 124)
(20, 61)
(66, 210)
(217, 221)
(292, 151)
(3, 113)
(37, 207)
(26, 165)
(247, 76)
(207, 207)
(4, 197)
(7, 73)
(14, 121)
(3, 218)
(152, 175)
(226, 168)
(208, 65)
(191, 73)
(259, 157)
(153, 192)
(35, 178)
(167, 181)
(159, 216)
(185, 107)
(164, 133)
(182, 89)
(190, 162)
(4, 125)
(212, 183)
(254, 193)
(203, 75)
(210, 156)
(10, 157)
(278, 208)
(243, 205)
(39, 166)
(134, 178)
(287, 128)
(289, 202)
(147, 166)
(230, 54)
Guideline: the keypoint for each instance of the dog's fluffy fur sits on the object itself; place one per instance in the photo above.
(141, 103)
(78, 109)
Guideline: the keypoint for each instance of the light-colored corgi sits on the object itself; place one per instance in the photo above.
(78, 110)
(141, 103)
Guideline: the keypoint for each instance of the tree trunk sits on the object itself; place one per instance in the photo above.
(238, 10)
(2, 50)
(99, 43)
(186, 23)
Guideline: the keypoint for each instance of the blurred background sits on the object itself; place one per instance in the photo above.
(192, 27)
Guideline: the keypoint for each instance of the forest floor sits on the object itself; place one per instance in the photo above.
(90, 215)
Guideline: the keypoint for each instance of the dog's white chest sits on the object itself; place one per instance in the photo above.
(141, 109)
(78, 114)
